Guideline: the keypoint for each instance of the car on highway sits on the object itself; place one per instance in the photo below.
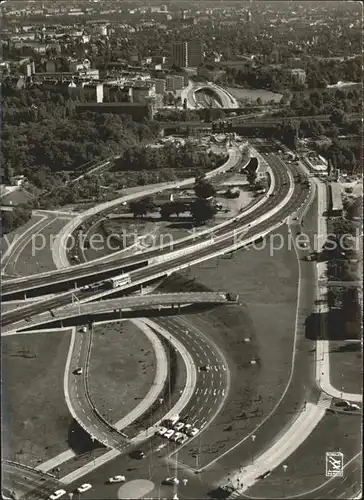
(182, 439)
(116, 479)
(137, 454)
(176, 436)
(161, 431)
(78, 371)
(84, 487)
(169, 433)
(187, 428)
(347, 406)
(193, 432)
(205, 368)
(57, 494)
(264, 475)
(84, 329)
(171, 481)
(179, 426)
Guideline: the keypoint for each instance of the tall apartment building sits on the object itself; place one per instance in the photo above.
(187, 54)
(180, 54)
(194, 53)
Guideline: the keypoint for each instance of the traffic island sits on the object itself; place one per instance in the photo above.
(122, 369)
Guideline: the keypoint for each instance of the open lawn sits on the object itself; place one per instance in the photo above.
(34, 259)
(35, 418)
(267, 286)
(122, 368)
(346, 366)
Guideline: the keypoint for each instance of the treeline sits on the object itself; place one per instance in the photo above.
(184, 157)
(65, 144)
(14, 219)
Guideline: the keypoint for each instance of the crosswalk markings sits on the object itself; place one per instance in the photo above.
(324, 401)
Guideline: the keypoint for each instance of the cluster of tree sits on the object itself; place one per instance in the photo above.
(67, 143)
(340, 156)
(181, 158)
(16, 218)
(320, 103)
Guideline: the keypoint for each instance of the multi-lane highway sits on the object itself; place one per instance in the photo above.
(25, 480)
(77, 272)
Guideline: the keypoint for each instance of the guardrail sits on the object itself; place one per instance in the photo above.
(28, 468)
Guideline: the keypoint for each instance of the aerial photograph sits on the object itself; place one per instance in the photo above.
(181, 249)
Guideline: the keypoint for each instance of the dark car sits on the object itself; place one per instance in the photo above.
(137, 454)
(264, 475)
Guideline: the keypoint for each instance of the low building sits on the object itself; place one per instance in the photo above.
(175, 82)
(50, 67)
(93, 91)
(17, 180)
(299, 75)
(160, 85)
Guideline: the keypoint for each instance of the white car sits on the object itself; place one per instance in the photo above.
(178, 427)
(78, 371)
(84, 487)
(162, 431)
(171, 480)
(187, 428)
(116, 479)
(182, 439)
(169, 434)
(57, 494)
(193, 432)
(176, 436)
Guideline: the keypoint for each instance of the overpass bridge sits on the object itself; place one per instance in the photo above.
(16, 320)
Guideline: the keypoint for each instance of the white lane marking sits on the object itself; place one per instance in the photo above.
(223, 392)
(192, 407)
(198, 399)
(203, 422)
(210, 409)
(205, 391)
(216, 368)
(215, 400)
(197, 391)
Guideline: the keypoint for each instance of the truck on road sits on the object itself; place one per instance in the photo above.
(117, 281)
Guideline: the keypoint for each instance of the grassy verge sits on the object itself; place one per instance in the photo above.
(267, 286)
(346, 366)
(32, 261)
(122, 369)
(36, 420)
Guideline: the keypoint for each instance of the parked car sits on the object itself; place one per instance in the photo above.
(78, 371)
(84, 487)
(137, 454)
(205, 368)
(116, 479)
(57, 494)
(187, 428)
(193, 432)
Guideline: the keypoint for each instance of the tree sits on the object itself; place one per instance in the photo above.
(204, 189)
(252, 177)
(202, 210)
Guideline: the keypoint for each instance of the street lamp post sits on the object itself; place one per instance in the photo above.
(284, 466)
(253, 440)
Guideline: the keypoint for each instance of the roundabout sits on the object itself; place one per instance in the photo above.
(137, 488)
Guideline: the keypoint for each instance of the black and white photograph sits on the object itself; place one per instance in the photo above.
(181, 249)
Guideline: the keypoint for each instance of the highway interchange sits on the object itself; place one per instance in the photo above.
(211, 387)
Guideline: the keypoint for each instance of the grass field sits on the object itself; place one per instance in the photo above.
(8, 238)
(346, 366)
(267, 286)
(36, 420)
(122, 369)
(32, 261)
(253, 94)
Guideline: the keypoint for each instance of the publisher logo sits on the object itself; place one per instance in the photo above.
(334, 463)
